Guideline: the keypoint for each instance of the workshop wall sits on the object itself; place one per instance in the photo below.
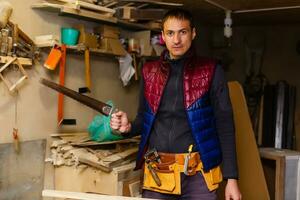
(281, 61)
(37, 105)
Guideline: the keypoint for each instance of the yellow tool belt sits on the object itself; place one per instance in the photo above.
(169, 171)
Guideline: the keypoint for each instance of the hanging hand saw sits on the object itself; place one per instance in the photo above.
(101, 107)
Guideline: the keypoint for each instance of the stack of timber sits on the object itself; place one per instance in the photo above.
(146, 12)
(75, 150)
(133, 14)
(16, 43)
(77, 164)
(16, 49)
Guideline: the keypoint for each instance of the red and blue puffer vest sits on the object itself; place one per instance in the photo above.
(198, 74)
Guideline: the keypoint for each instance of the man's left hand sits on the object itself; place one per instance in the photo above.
(232, 191)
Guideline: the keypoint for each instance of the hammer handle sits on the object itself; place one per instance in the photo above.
(154, 175)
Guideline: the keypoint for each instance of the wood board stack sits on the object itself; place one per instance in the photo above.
(82, 165)
(148, 13)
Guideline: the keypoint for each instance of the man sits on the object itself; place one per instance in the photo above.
(185, 115)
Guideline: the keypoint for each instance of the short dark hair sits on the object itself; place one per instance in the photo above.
(178, 13)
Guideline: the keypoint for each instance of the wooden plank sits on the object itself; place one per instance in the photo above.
(89, 6)
(52, 7)
(106, 164)
(89, 179)
(65, 10)
(117, 158)
(131, 13)
(110, 4)
(85, 196)
(69, 134)
(134, 188)
(92, 160)
(161, 3)
(90, 1)
(10, 61)
(96, 7)
(95, 143)
(136, 26)
(22, 175)
(88, 14)
(81, 49)
(279, 158)
(11, 87)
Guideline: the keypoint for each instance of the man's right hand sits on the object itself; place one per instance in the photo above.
(119, 122)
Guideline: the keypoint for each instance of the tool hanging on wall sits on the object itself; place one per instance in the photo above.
(15, 129)
(86, 89)
(53, 57)
(58, 55)
(60, 104)
(13, 62)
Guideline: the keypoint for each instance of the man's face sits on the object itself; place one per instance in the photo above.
(178, 36)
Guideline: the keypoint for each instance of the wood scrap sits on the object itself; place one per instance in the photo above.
(105, 156)
(93, 161)
(69, 134)
(65, 149)
(134, 188)
(94, 143)
(22, 61)
(57, 143)
(79, 138)
(114, 159)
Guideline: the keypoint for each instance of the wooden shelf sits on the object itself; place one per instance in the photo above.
(77, 49)
(135, 26)
(76, 13)
(89, 16)
(80, 50)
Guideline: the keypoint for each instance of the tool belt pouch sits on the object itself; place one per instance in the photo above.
(169, 175)
(212, 178)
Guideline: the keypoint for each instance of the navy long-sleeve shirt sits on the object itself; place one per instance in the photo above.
(171, 132)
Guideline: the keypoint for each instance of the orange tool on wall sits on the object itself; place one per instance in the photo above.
(53, 57)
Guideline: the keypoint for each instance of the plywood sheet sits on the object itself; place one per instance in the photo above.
(21, 175)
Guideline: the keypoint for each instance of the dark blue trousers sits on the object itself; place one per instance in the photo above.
(192, 188)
